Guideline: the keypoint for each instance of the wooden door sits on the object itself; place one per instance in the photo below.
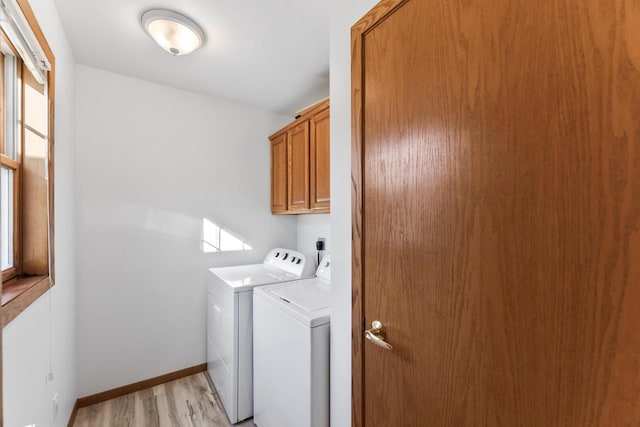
(496, 170)
(279, 174)
(320, 183)
(298, 177)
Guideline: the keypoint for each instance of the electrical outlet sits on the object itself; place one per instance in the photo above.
(56, 407)
(320, 244)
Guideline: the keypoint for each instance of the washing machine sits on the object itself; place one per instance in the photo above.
(230, 325)
(291, 352)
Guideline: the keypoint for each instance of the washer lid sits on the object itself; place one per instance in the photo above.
(308, 300)
(310, 295)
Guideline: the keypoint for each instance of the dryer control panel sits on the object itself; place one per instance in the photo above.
(290, 261)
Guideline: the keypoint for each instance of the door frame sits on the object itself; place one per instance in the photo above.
(376, 15)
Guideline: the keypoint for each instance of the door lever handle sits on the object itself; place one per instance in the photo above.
(377, 335)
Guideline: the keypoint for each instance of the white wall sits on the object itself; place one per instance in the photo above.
(343, 15)
(310, 228)
(152, 163)
(27, 352)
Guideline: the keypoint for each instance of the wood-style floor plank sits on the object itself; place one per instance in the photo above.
(187, 402)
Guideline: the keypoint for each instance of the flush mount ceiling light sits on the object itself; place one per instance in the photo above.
(175, 33)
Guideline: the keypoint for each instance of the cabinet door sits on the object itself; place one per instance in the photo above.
(279, 174)
(320, 188)
(298, 179)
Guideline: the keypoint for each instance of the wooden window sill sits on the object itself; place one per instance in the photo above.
(19, 293)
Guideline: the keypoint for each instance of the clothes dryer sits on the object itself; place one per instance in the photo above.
(230, 325)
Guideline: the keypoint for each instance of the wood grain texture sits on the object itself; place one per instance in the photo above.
(377, 14)
(51, 88)
(298, 168)
(313, 108)
(12, 289)
(357, 302)
(188, 401)
(34, 222)
(74, 414)
(308, 113)
(51, 77)
(320, 181)
(29, 290)
(497, 205)
(140, 385)
(307, 163)
(279, 174)
(52, 176)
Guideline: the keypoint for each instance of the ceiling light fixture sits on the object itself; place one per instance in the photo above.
(173, 32)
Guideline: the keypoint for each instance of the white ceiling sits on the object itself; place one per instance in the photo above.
(272, 54)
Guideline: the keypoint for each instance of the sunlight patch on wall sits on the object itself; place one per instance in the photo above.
(217, 239)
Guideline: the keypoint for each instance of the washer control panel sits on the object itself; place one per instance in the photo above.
(324, 269)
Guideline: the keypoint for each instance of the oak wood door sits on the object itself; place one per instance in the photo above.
(279, 174)
(496, 213)
(298, 175)
(320, 153)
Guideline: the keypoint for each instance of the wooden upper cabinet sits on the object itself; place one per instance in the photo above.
(298, 156)
(300, 164)
(279, 174)
(320, 182)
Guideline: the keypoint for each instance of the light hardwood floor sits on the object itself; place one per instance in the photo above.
(189, 401)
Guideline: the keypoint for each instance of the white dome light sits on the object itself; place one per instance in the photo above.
(173, 32)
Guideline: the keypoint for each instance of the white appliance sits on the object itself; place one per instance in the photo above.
(291, 352)
(229, 325)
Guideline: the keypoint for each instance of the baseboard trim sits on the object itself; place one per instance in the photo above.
(74, 412)
(131, 388)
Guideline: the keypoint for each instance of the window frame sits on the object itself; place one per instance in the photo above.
(8, 162)
(15, 166)
(20, 291)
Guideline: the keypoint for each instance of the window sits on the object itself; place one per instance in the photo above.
(9, 161)
(26, 166)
